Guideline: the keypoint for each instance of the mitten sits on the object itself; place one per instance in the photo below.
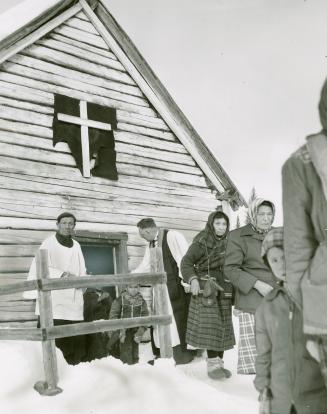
(264, 407)
(265, 401)
(216, 286)
(113, 337)
(139, 334)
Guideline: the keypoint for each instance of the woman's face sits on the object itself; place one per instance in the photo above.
(264, 218)
(276, 260)
(220, 226)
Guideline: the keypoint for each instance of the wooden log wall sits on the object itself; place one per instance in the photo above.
(157, 177)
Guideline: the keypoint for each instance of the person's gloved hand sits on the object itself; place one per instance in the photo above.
(139, 334)
(103, 295)
(216, 286)
(264, 407)
(195, 287)
(68, 274)
(265, 401)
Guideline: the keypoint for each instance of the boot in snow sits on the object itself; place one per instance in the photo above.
(215, 368)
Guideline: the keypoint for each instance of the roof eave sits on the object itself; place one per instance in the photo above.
(150, 77)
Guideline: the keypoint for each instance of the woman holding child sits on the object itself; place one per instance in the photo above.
(209, 324)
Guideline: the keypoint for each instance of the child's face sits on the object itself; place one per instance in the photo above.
(133, 290)
(276, 260)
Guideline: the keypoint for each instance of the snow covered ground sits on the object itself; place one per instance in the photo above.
(107, 386)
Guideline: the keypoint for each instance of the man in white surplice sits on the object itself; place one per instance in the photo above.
(65, 259)
(174, 247)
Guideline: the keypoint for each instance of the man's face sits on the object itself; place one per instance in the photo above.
(148, 233)
(66, 226)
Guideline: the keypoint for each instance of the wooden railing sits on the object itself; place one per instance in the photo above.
(47, 333)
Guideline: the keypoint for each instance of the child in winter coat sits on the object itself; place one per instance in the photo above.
(130, 304)
(288, 378)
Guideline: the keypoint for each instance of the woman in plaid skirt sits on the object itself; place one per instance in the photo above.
(209, 324)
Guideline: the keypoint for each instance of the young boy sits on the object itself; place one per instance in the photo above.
(288, 378)
(130, 304)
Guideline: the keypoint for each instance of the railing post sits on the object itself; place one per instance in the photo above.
(161, 303)
(49, 386)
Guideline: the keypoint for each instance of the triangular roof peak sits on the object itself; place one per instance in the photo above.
(56, 12)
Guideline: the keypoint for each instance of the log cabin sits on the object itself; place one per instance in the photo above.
(74, 55)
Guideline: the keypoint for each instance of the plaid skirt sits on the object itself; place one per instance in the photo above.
(210, 327)
(247, 351)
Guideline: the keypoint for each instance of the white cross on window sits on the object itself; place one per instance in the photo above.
(85, 124)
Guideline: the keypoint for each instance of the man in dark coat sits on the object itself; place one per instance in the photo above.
(174, 246)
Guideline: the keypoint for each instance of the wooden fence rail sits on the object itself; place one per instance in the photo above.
(84, 282)
(47, 333)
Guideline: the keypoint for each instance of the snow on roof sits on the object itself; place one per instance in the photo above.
(21, 14)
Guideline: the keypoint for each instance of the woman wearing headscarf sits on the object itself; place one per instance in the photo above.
(209, 324)
(250, 275)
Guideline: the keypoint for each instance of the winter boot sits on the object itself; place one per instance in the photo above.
(215, 368)
(182, 356)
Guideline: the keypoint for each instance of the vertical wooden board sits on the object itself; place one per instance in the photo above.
(160, 303)
(46, 321)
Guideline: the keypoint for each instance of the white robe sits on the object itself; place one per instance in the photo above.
(67, 304)
(178, 246)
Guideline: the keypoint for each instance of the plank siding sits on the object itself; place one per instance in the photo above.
(157, 176)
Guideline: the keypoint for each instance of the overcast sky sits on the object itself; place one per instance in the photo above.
(247, 74)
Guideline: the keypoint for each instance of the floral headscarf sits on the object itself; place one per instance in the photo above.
(253, 212)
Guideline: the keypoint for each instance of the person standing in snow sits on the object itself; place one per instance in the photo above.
(250, 275)
(209, 324)
(130, 304)
(305, 221)
(65, 259)
(174, 247)
(288, 378)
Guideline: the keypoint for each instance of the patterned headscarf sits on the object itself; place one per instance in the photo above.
(253, 212)
(274, 238)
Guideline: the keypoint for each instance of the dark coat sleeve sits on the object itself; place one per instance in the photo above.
(234, 258)
(145, 311)
(192, 256)
(263, 344)
(115, 311)
(299, 236)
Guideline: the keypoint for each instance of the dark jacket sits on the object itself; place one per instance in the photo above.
(126, 306)
(305, 224)
(244, 266)
(205, 257)
(283, 363)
